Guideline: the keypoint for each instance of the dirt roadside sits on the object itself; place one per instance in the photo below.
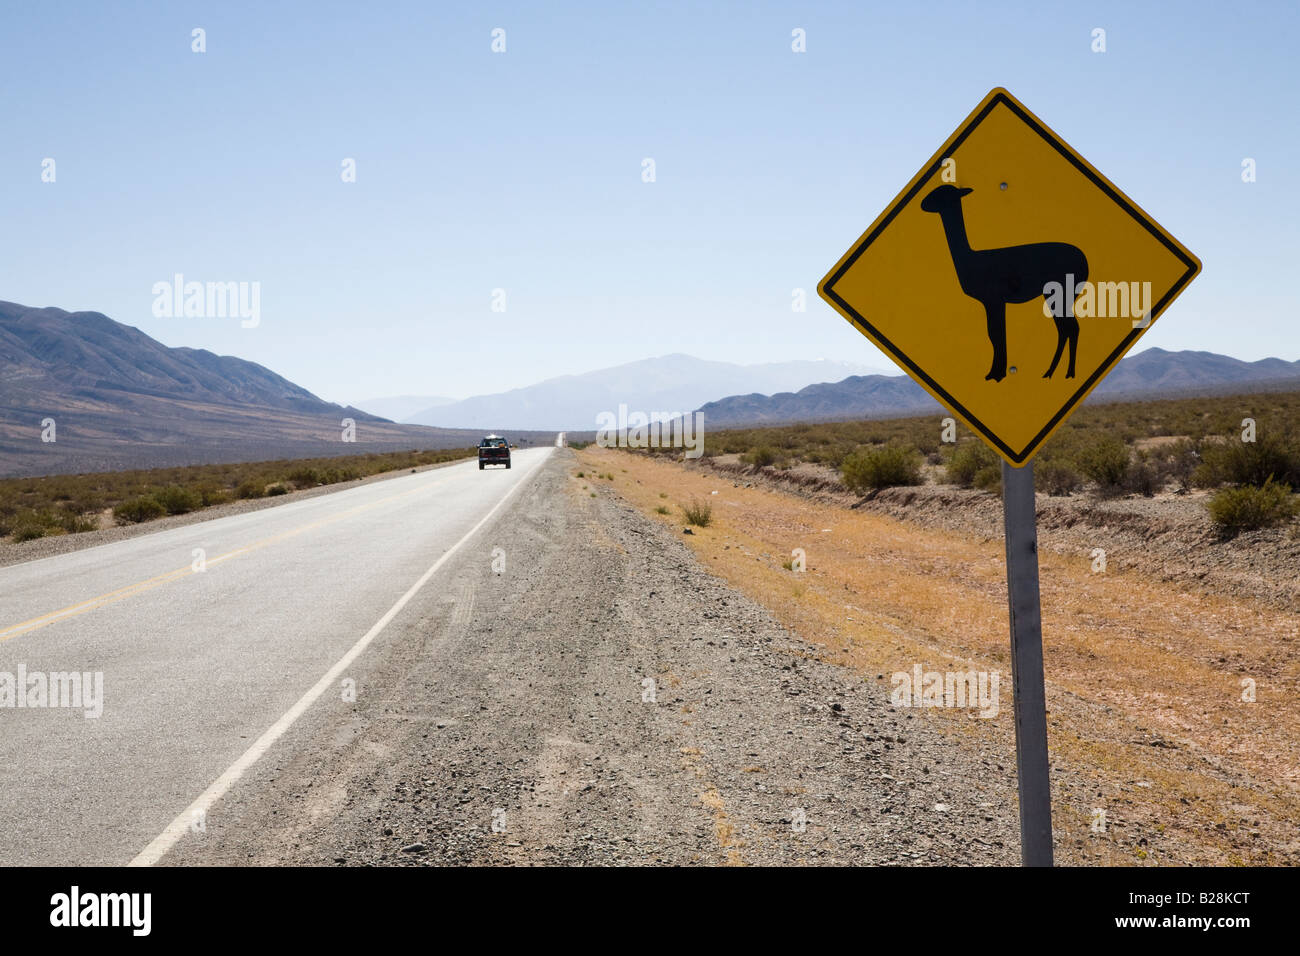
(525, 699)
(1168, 537)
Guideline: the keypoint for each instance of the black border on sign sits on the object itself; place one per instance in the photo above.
(828, 287)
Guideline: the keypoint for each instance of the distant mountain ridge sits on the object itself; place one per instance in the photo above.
(669, 383)
(1154, 372)
(87, 352)
(120, 399)
(398, 408)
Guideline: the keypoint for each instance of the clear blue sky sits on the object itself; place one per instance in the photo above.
(522, 170)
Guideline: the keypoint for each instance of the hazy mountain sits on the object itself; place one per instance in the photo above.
(120, 399)
(1157, 370)
(87, 354)
(1154, 373)
(859, 396)
(672, 383)
(398, 408)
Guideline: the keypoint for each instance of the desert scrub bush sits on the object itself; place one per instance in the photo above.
(135, 510)
(966, 461)
(178, 500)
(307, 477)
(884, 466)
(210, 494)
(250, 489)
(75, 523)
(277, 489)
(698, 513)
(1104, 459)
(989, 478)
(1237, 462)
(760, 457)
(28, 530)
(33, 524)
(661, 510)
(1177, 463)
(1057, 478)
(1248, 508)
(1143, 477)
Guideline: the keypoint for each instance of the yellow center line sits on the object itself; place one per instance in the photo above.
(74, 610)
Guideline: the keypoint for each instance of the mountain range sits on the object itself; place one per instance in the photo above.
(120, 399)
(670, 383)
(1152, 373)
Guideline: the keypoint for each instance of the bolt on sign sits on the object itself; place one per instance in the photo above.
(1009, 277)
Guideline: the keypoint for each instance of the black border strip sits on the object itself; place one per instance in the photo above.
(875, 335)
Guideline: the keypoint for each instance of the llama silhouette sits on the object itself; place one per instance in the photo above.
(995, 277)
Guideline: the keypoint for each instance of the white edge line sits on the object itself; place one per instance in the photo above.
(164, 841)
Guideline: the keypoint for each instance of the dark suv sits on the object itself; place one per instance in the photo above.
(493, 450)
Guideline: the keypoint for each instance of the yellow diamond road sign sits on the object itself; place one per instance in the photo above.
(1008, 277)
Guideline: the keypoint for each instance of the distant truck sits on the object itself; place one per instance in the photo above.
(493, 450)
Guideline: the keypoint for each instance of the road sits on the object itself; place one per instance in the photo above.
(203, 669)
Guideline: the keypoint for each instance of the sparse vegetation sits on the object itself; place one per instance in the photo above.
(698, 513)
(882, 467)
(144, 508)
(68, 504)
(989, 478)
(1104, 460)
(176, 500)
(1247, 508)
(1143, 448)
(967, 460)
(1057, 478)
(1233, 461)
(662, 510)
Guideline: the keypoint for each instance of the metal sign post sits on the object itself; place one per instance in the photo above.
(1027, 665)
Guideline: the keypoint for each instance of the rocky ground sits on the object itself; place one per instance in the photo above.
(604, 700)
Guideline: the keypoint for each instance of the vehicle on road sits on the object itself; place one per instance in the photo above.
(493, 450)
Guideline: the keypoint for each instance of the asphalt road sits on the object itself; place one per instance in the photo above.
(200, 668)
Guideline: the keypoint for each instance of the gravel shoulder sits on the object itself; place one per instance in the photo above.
(605, 700)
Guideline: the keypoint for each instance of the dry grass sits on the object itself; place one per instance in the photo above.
(1146, 717)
